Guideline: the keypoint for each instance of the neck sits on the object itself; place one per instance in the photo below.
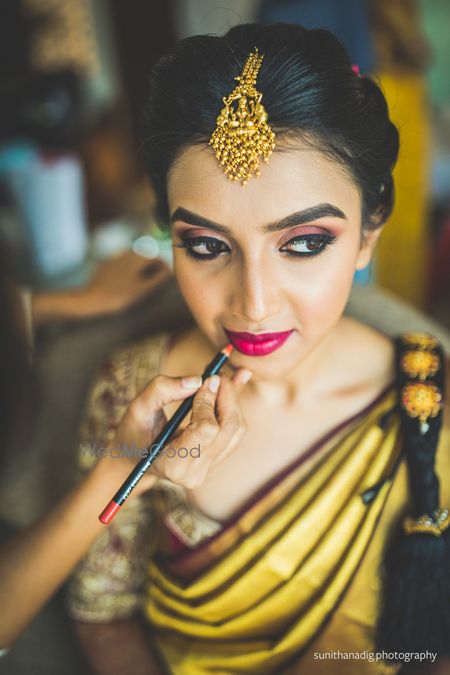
(308, 381)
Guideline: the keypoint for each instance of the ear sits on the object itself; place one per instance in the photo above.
(369, 240)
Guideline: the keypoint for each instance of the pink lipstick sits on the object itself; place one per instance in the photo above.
(252, 344)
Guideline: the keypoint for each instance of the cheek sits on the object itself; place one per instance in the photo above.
(202, 295)
(320, 297)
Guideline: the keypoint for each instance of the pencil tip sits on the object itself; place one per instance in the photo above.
(228, 349)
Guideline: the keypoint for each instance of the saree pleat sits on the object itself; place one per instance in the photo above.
(262, 601)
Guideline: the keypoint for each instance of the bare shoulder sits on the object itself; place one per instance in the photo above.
(367, 352)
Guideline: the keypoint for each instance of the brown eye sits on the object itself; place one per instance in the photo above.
(213, 246)
(314, 245)
(309, 245)
(203, 247)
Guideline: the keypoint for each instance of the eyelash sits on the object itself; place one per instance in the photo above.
(189, 243)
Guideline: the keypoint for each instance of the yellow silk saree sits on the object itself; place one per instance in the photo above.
(291, 582)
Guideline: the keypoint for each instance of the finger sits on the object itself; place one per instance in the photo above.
(201, 431)
(205, 401)
(203, 419)
(241, 377)
(232, 423)
(228, 409)
(161, 391)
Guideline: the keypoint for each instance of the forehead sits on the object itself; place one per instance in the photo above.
(295, 177)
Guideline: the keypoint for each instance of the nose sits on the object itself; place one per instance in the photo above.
(254, 293)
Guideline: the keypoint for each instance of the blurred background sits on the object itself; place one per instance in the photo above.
(73, 81)
(78, 242)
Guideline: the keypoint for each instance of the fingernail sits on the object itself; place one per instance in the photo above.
(213, 383)
(246, 375)
(191, 382)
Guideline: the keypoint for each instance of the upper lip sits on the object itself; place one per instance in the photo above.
(256, 337)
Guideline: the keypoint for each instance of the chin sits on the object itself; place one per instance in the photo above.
(271, 366)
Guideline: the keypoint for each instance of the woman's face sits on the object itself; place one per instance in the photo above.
(277, 255)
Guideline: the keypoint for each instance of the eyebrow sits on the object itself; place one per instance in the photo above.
(299, 218)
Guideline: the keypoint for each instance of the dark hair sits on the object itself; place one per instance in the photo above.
(415, 574)
(309, 91)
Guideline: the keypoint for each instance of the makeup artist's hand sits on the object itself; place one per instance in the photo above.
(216, 425)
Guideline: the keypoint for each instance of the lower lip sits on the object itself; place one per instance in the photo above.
(258, 348)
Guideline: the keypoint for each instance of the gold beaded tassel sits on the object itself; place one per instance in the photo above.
(421, 398)
(435, 525)
(242, 133)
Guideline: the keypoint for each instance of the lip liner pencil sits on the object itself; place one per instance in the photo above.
(160, 441)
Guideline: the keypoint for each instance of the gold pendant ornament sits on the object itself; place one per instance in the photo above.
(242, 133)
(422, 401)
(421, 364)
(420, 340)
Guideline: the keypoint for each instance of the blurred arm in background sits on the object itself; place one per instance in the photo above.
(118, 283)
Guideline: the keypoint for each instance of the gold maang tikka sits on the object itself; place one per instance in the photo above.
(242, 133)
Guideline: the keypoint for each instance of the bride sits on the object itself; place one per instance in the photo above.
(295, 532)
